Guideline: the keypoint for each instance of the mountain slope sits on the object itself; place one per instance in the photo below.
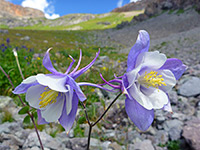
(71, 21)
(9, 10)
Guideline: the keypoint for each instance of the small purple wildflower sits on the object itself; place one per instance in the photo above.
(8, 40)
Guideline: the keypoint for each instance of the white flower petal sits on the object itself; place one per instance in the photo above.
(141, 98)
(54, 111)
(33, 95)
(153, 60)
(168, 107)
(158, 99)
(30, 79)
(169, 79)
(68, 98)
(149, 98)
(132, 75)
(54, 82)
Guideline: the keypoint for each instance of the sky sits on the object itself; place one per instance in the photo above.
(56, 8)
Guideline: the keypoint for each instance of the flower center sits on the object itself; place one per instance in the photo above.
(151, 79)
(48, 97)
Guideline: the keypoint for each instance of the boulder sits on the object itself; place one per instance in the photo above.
(191, 133)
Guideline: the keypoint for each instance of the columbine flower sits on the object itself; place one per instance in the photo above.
(150, 76)
(55, 95)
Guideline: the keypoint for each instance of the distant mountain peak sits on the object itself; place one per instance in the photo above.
(8, 9)
(139, 5)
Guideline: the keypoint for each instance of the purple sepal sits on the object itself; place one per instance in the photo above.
(71, 64)
(81, 71)
(77, 89)
(40, 119)
(175, 66)
(140, 116)
(141, 45)
(47, 63)
(112, 85)
(78, 64)
(22, 88)
(67, 120)
(97, 86)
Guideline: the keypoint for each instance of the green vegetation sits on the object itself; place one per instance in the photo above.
(180, 11)
(171, 145)
(78, 131)
(171, 11)
(3, 26)
(106, 22)
(101, 21)
(7, 116)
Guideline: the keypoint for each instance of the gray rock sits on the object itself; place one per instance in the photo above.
(37, 148)
(185, 106)
(10, 144)
(4, 147)
(18, 34)
(23, 134)
(110, 133)
(191, 133)
(144, 145)
(78, 144)
(10, 127)
(4, 101)
(105, 145)
(26, 38)
(115, 146)
(166, 5)
(3, 31)
(95, 144)
(130, 136)
(45, 41)
(175, 133)
(151, 131)
(172, 124)
(179, 116)
(47, 141)
(198, 114)
(161, 137)
(159, 116)
(131, 147)
(190, 87)
(13, 139)
(160, 148)
(173, 97)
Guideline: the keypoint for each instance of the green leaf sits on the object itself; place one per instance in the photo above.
(35, 115)
(24, 110)
(27, 120)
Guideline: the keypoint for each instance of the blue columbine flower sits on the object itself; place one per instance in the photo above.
(149, 77)
(56, 95)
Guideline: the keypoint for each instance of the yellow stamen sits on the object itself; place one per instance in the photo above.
(151, 79)
(48, 97)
